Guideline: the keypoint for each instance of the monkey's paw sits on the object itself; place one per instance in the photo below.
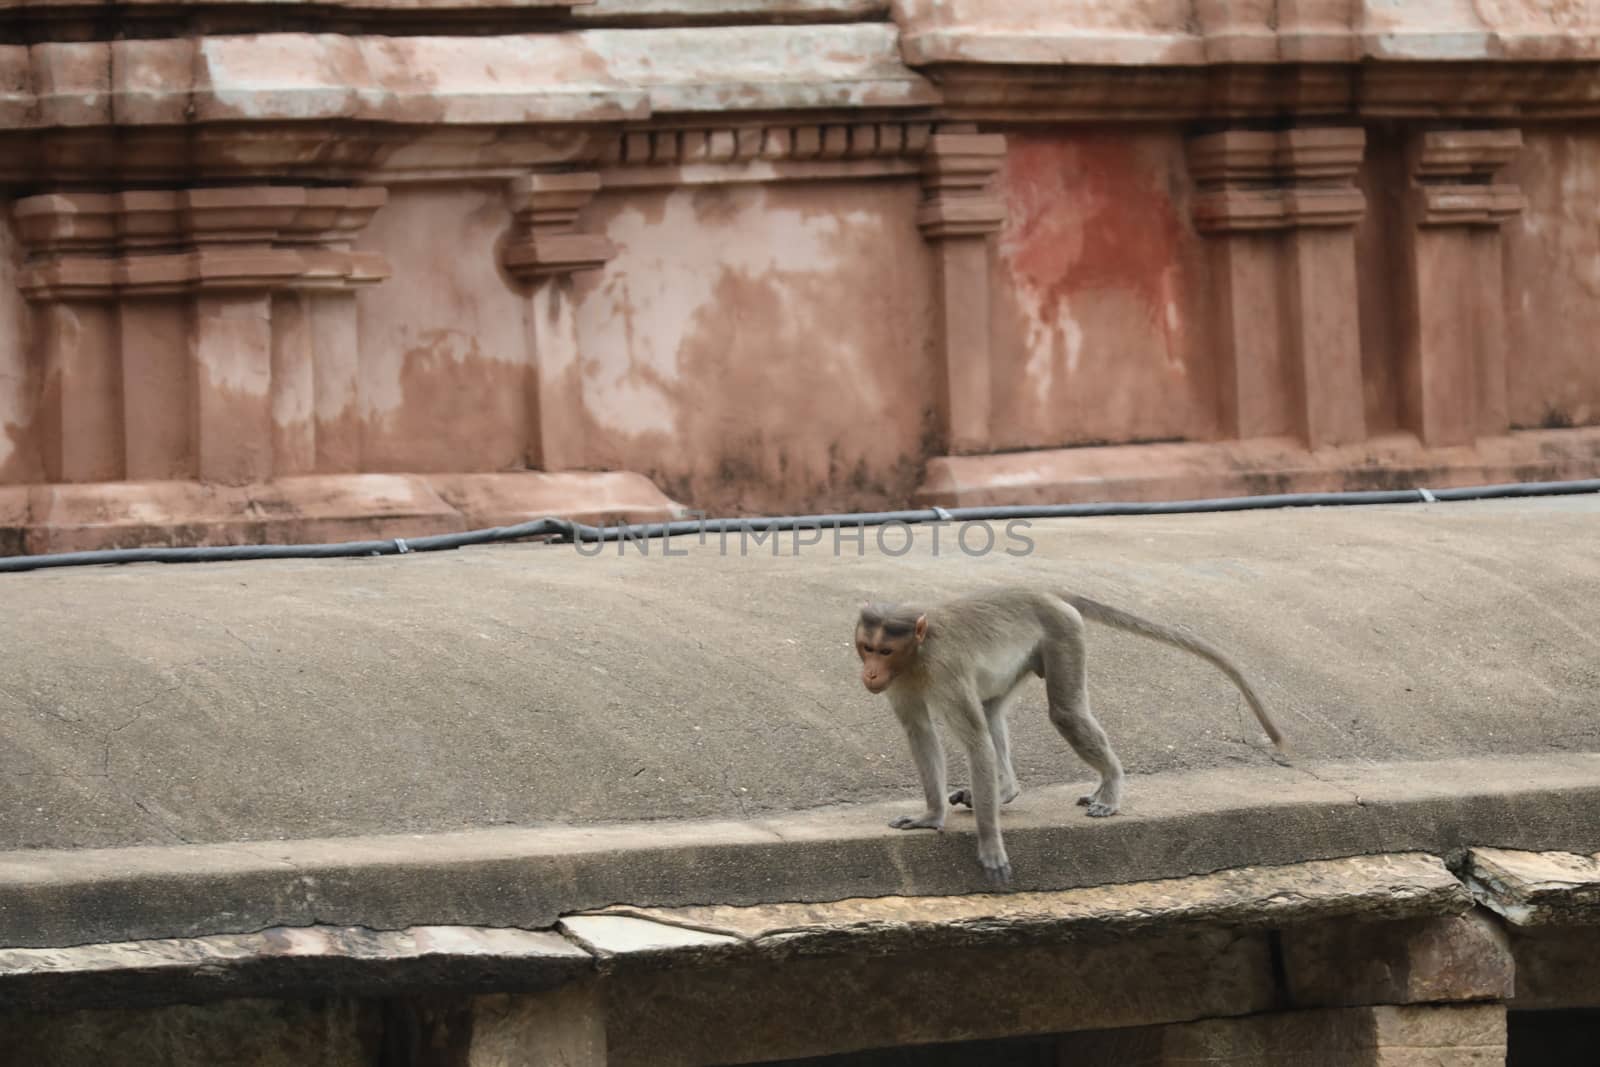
(925, 821)
(997, 872)
(1098, 809)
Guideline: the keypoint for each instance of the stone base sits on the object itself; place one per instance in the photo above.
(311, 509)
(1420, 1035)
(1193, 471)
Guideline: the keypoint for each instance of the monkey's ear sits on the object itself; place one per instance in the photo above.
(922, 627)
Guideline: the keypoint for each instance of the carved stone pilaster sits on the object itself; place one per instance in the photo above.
(180, 339)
(1282, 207)
(958, 213)
(545, 250)
(1454, 368)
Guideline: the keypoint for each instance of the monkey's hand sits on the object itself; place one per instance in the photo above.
(928, 820)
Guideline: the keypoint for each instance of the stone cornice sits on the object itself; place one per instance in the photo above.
(589, 76)
(1219, 32)
(1260, 180)
(770, 153)
(1453, 172)
(152, 242)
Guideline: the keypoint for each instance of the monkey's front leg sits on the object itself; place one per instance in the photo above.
(984, 761)
(929, 757)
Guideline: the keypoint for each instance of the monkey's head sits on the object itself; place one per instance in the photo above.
(887, 640)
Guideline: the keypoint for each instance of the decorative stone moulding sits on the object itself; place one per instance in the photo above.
(87, 246)
(545, 240)
(1454, 172)
(801, 152)
(1252, 180)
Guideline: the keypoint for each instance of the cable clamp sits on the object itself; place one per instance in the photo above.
(944, 516)
(1427, 497)
(400, 543)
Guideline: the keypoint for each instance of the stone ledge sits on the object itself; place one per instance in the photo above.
(1203, 470)
(312, 509)
(1536, 889)
(1368, 888)
(319, 959)
(1178, 825)
(287, 962)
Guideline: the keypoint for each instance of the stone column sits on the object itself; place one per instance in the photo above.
(957, 217)
(1282, 208)
(544, 251)
(1455, 357)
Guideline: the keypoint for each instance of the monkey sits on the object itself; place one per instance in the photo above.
(961, 664)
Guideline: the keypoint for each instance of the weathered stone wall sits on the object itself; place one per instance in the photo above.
(781, 255)
(1374, 961)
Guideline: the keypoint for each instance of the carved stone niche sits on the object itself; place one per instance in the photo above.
(1282, 208)
(197, 333)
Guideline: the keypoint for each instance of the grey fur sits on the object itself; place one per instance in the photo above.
(962, 663)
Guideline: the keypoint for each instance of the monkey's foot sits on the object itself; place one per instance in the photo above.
(963, 797)
(996, 870)
(1098, 809)
(926, 821)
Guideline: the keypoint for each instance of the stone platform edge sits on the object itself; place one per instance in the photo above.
(1203, 469)
(311, 509)
(1174, 825)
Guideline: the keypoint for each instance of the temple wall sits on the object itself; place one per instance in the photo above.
(284, 272)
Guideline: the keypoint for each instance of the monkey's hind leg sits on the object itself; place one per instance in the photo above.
(1067, 689)
(994, 713)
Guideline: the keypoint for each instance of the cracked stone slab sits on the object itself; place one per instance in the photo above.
(617, 935)
(287, 961)
(1536, 888)
(1364, 887)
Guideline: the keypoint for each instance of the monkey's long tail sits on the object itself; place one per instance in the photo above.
(1122, 620)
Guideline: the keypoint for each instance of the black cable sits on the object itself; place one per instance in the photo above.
(563, 531)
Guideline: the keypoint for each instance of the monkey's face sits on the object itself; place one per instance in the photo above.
(886, 652)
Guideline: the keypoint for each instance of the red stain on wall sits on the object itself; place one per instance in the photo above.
(1089, 213)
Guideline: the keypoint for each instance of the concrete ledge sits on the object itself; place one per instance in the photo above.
(312, 509)
(1242, 468)
(1177, 825)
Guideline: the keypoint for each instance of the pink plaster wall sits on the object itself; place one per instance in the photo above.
(18, 455)
(1099, 330)
(443, 346)
(1552, 271)
(762, 348)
